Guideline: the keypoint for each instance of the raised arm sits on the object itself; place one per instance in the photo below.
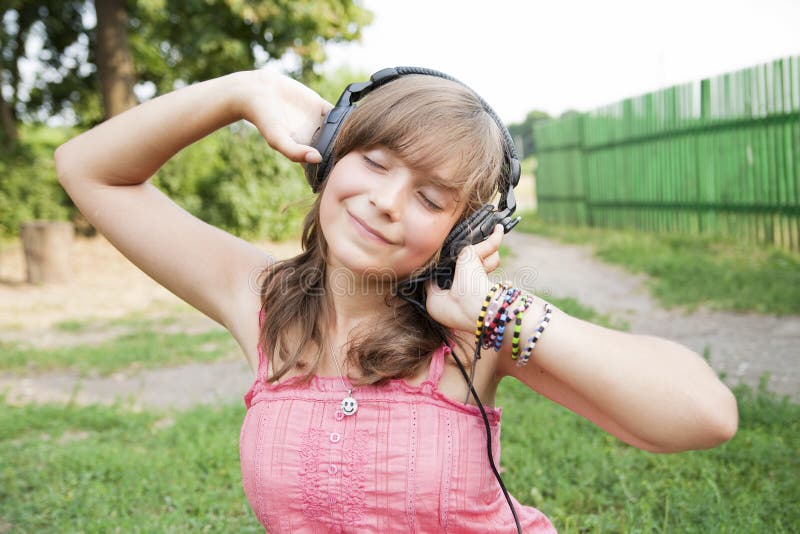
(650, 392)
(106, 170)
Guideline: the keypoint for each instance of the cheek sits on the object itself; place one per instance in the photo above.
(428, 239)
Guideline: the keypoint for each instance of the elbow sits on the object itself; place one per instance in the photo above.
(721, 418)
(61, 159)
(715, 421)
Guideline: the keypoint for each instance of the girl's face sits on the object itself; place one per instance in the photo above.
(380, 216)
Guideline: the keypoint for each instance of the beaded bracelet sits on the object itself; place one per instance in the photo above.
(517, 315)
(502, 318)
(479, 322)
(494, 305)
(492, 322)
(526, 354)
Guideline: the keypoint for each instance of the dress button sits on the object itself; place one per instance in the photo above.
(339, 415)
(332, 469)
(335, 437)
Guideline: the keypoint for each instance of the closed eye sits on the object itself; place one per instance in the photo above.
(373, 163)
(432, 205)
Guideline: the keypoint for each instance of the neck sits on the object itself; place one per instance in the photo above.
(353, 299)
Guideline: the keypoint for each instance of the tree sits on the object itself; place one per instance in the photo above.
(114, 61)
(81, 52)
(522, 132)
(51, 25)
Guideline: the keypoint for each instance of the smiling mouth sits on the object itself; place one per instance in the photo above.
(364, 230)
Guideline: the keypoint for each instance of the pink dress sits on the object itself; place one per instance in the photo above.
(409, 460)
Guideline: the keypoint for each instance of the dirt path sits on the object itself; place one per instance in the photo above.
(744, 346)
(106, 285)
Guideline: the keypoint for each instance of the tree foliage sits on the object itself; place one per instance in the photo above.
(231, 179)
(192, 40)
(522, 132)
(172, 42)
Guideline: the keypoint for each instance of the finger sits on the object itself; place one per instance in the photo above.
(293, 150)
(296, 151)
(492, 243)
(491, 262)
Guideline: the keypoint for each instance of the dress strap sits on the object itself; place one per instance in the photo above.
(437, 365)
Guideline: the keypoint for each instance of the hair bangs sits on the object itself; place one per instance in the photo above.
(437, 127)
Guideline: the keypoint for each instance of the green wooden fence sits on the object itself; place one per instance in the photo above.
(718, 156)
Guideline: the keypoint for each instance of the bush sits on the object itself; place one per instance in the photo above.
(235, 181)
(231, 179)
(29, 188)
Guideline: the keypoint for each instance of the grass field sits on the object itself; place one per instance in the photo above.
(105, 469)
(110, 469)
(690, 270)
(140, 349)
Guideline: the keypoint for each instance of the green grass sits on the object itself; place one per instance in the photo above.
(104, 469)
(73, 325)
(572, 307)
(690, 271)
(142, 348)
(101, 469)
(588, 481)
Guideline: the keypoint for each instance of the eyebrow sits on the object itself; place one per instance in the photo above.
(430, 177)
(437, 181)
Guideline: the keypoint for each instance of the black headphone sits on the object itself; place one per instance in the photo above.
(479, 225)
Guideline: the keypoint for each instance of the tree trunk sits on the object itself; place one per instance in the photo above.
(47, 251)
(114, 61)
(10, 133)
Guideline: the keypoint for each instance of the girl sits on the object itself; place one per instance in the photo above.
(356, 420)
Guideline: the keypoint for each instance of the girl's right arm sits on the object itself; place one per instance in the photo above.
(106, 170)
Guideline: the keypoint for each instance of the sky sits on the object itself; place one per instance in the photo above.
(569, 54)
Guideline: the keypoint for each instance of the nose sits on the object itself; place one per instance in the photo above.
(389, 193)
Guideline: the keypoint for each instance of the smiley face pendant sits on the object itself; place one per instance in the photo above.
(349, 404)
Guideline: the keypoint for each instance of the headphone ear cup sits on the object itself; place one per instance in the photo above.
(471, 230)
(325, 141)
(466, 232)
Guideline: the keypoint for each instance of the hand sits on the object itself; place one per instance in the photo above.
(458, 307)
(286, 112)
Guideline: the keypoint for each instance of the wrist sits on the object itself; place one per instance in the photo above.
(470, 303)
(238, 89)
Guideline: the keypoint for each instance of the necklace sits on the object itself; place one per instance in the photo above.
(349, 405)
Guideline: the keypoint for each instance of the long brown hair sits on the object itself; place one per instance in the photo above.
(427, 121)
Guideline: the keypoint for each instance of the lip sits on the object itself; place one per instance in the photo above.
(368, 231)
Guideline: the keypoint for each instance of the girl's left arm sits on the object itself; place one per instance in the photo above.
(650, 392)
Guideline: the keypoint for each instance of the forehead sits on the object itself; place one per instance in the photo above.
(439, 174)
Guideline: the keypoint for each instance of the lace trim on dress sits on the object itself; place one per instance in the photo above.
(340, 502)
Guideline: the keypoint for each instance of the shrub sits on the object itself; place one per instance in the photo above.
(231, 179)
(235, 181)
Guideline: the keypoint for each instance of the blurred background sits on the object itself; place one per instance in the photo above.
(660, 195)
